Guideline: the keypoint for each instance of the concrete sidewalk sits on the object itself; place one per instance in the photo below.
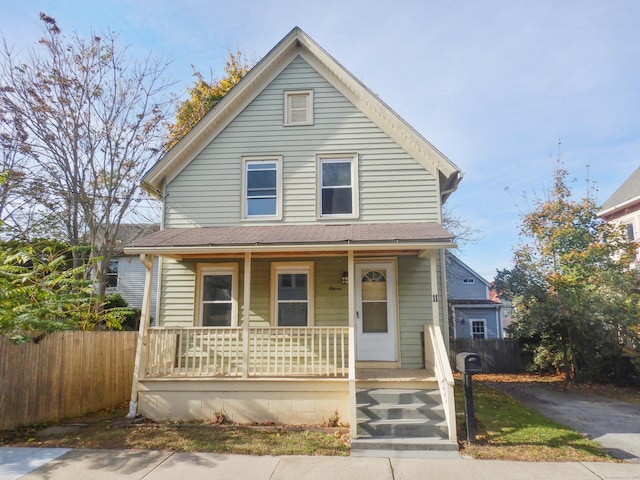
(154, 465)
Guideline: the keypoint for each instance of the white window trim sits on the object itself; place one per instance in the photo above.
(203, 269)
(353, 157)
(484, 325)
(468, 281)
(243, 194)
(292, 267)
(287, 114)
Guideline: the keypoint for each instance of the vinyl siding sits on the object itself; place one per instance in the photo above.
(489, 315)
(458, 290)
(179, 280)
(131, 278)
(393, 186)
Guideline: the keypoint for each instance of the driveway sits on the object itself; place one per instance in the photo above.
(613, 424)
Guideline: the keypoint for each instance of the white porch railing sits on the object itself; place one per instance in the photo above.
(273, 352)
(437, 358)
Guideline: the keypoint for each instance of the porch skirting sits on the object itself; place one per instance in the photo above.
(285, 401)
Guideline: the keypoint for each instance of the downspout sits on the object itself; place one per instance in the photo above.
(145, 316)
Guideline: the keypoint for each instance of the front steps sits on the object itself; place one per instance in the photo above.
(395, 420)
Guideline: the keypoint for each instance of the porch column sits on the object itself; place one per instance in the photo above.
(145, 318)
(435, 296)
(245, 314)
(353, 412)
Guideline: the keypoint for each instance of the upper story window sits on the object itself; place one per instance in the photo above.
(468, 281)
(337, 189)
(298, 107)
(262, 187)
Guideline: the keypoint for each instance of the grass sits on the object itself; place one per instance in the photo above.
(507, 430)
(107, 430)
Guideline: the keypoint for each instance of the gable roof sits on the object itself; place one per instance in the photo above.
(298, 43)
(626, 195)
(452, 258)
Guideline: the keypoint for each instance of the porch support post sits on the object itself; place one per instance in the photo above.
(435, 296)
(145, 317)
(245, 314)
(353, 413)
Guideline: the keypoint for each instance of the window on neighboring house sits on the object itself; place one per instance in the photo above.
(293, 295)
(218, 301)
(112, 274)
(262, 187)
(630, 233)
(337, 186)
(468, 281)
(298, 107)
(478, 329)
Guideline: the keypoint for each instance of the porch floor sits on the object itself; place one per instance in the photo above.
(399, 375)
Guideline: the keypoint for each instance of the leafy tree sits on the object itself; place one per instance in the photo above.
(41, 292)
(204, 95)
(574, 289)
(90, 122)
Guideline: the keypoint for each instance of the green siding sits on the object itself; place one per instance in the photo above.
(414, 287)
(393, 186)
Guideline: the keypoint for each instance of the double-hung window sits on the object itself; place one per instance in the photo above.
(337, 189)
(478, 329)
(112, 274)
(218, 298)
(292, 295)
(262, 187)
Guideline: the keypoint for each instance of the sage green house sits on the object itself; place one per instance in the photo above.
(301, 273)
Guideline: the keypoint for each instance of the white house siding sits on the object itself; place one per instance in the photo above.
(392, 185)
(131, 278)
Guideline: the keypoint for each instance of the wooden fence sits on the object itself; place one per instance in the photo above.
(64, 375)
(497, 355)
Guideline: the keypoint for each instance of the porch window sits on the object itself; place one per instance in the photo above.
(298, 107)
(337, 185)
(218, 300)
(293, 294)
(261, 187)
(478, 329)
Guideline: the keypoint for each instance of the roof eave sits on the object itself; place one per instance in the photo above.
(421, 247)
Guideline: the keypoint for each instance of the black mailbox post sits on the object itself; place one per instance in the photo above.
(467, 364)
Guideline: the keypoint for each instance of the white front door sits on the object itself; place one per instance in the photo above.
(375, 312)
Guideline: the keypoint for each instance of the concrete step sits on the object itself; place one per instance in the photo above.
(413, 446)
(402, 428)
(397, 396)
(391, 411)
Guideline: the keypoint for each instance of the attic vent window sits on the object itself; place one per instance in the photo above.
(468, 281)
(298, 107)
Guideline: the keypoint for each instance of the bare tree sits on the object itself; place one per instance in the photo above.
(93, 122)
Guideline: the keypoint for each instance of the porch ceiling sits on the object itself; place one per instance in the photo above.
(299, 238)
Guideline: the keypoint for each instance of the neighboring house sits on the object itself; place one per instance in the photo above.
(623, 207)
(302, 261)
(475, 310)
(126, 274)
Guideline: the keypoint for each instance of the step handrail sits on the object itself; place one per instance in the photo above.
(436, 357)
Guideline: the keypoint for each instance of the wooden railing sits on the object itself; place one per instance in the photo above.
(272, 352)
(436, 357)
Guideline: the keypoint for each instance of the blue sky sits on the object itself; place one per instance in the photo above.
(494, 85)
